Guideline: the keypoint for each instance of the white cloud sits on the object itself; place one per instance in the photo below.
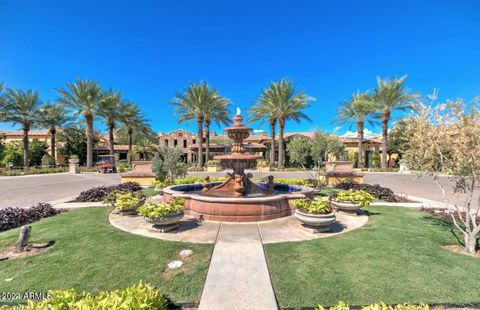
(367, 133)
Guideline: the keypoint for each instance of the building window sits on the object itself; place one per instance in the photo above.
(184, 144)
(175, 142)
(166, 142)
(194, 141)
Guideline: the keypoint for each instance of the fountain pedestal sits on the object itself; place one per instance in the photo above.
(238, 183)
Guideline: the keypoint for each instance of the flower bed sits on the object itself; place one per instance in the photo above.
(383, 193)
(15, 217)
(100, 193)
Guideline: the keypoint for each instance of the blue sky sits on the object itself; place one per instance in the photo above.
(152, 49)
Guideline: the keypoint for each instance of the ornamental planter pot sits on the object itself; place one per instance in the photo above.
(346, 207)
(167, 222)
(316, 223)
(74, 166)
(133, 210)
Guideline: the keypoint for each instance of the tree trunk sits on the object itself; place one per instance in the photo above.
(360, 144)
(200, 142)
(281, 151)
(207, 141)
(23, 238)
(111, 143)
(129, 155)
(89, 134)
(471, 243)
(385, 119)
(53, 151)
(26, 150)
(273, 122)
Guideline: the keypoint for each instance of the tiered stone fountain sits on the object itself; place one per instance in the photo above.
(238, 199)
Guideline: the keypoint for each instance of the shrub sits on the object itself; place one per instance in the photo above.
(379, 306)
(100, 193)
(213, 163)
(178, 201)
(354, 196)
(312, 206)
(262, 163)
(48, 160)
(124, 200)
(168, 164)
(15, 217)
(139, 296)
(158, 209)
(376, 190)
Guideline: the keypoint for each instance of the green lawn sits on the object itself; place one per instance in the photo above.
(397, 257)
(149, 191)
(91, 255)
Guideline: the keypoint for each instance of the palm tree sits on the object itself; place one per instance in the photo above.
(84, 96)
(109, 110)
(263, 110)
(217, 109)
(288, 104)
(132, 119)
(145, 148)
(390, 95)
(52, 117)
(356, 111)
(195, 104)
(21, 108)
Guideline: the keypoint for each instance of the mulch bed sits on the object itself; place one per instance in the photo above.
(32, 249)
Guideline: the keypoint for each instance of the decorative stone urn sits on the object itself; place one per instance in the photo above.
(316, 222)
(167, 222)
(346, 207)
(132, 210)
(74, 166)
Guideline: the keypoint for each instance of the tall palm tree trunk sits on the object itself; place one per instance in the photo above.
(130, 143)
(273, 122)
(281, 151)
(111, 144)
(53, 151)
(26, 150)
(89, 134)
(207, 141)
(360, 144)
(385, 119)
(200, 142)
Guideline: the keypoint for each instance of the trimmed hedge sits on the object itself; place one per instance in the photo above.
(383, 193)
(15, 217)
(100, 193)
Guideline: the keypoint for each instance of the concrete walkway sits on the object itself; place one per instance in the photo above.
(238, 276)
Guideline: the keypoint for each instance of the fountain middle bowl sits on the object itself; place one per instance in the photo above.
(252, 208)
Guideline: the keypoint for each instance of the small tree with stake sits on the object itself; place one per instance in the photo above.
(445, 138)
(168, 165)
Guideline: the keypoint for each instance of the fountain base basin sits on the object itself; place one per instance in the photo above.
(233, 209)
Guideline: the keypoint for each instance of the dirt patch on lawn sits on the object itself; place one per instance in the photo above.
(458, 249)
(32, 249)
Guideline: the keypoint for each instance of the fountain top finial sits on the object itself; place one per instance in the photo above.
(238, 111)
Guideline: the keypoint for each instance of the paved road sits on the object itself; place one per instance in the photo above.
(410, 184)
(27, 190)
